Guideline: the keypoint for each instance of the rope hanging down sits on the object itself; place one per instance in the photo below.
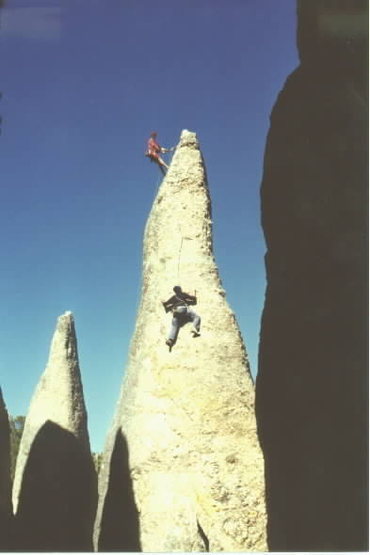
(180, 251)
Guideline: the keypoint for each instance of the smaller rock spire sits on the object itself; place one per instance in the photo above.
(54, 492)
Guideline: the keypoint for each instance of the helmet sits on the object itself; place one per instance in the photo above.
(177, 289)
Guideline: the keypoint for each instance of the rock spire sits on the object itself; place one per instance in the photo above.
(54, 492)
(182, 469)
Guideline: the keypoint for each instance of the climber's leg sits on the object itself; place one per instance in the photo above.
(195, 319)
(178, 320)
(162, 162)
(154, 157)
(174, 330)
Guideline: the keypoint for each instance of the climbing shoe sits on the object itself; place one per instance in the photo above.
(170, 343)
(195, 333)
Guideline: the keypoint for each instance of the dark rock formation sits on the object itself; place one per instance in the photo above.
(120, 528)
(55, 489)
(54, 510)
(311, 390)
(5, 482)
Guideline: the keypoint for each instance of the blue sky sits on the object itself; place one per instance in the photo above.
(84, 82)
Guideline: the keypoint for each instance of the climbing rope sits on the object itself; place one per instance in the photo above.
(179, 406)
(183, 237)
(178, 262)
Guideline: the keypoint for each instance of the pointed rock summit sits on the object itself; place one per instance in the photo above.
(54, 492)
(182, 469)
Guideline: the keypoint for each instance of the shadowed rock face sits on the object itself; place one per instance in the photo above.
(54, 509)
(5, 483)
(120, 529)
(311, 389)
(55, 490)
(187, 416)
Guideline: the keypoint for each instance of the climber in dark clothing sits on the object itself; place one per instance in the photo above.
(178, 304)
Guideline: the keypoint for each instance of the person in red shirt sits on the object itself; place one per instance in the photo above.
(154, 149)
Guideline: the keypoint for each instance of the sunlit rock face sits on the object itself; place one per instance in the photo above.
(311, 389)
(182, 469)
(5, 482)
(55, 490)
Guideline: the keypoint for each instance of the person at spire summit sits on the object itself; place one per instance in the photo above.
(154, 149)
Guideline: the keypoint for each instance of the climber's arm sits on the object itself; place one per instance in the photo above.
(190, 299)
(168, 305)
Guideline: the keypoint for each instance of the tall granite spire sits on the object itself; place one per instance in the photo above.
(182, 469)
(5, 482)
(54, 492)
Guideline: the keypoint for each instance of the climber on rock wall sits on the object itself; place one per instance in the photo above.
(154, 149)
(178, 304)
